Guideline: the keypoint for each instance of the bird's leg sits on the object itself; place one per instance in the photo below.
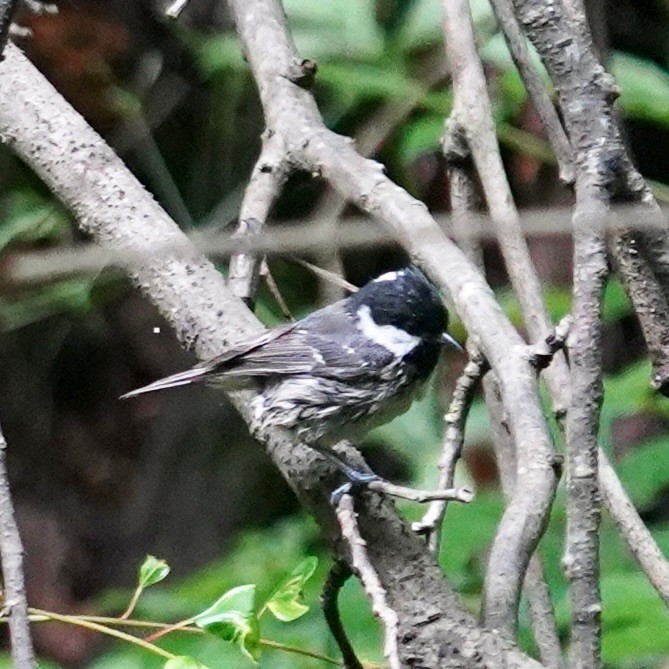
(356, 478)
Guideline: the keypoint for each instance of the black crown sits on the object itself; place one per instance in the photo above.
(407, 300)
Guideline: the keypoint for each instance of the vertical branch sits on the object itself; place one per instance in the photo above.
(11, 551)
(464, 201)
(581, 559)
(334, 581)
(470, 131)
(269, 174)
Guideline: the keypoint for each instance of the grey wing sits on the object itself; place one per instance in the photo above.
(326, 343)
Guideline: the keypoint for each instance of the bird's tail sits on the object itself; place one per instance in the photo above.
(180, 379)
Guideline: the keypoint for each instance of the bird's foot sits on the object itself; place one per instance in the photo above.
(357, 481)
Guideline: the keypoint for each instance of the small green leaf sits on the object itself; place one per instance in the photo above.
(232, 617)
(285, 602)
(644, 88)
(152, 571)
(184, 662)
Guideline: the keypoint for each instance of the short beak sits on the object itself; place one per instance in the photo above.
(449, 341)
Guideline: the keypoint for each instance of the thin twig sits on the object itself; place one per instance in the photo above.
(370, 579)
(106, 623)
(337, 576)
(11, 551)
(462, 494)
(295, 236)
(325, 274)
(454, 437)
(267, 179)
(273, 288)
(535, 88)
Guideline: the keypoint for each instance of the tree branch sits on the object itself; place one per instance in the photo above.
(471, 123)
(535, 88)
(337, 576)
(267, 179)
(463, 201)
(11, 550)
(454, 438)
(363, 567)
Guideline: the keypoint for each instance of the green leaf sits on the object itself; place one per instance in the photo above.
(183, 662)
(644, 88)
(152, 571)
(285, 602)
(232, 617)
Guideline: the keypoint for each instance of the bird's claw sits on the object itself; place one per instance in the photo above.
(357, 481)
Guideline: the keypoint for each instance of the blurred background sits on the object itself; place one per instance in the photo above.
(100, 483)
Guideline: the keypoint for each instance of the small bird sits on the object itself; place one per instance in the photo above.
(340, 371)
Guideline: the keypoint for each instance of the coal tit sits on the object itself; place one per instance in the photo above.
(341, 370)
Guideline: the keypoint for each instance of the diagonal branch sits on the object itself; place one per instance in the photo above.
(463, 201)
(535, 88)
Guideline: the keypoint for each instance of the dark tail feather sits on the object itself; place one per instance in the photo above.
(180, 379)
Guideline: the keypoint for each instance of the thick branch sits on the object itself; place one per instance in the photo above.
(11, 551)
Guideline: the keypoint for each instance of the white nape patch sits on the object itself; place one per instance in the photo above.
(394, 339)
(388, 276)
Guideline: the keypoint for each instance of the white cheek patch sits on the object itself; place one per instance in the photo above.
(389, 276)
(394, 339)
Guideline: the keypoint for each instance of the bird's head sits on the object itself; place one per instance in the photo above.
(405, 300)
